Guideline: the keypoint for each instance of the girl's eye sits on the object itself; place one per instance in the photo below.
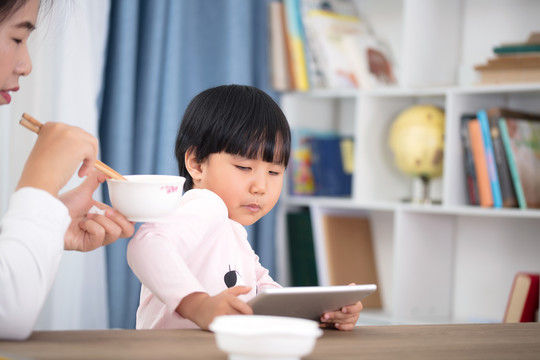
(243, 168)
(17, 41)
(273, 172)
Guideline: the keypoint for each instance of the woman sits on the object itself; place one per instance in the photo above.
(39, 223)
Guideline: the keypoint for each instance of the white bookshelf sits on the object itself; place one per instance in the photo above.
(436, 263)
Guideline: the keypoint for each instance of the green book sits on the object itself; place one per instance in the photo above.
(302, 263)
(512, 164)
(518, 48)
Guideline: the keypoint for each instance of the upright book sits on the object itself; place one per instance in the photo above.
(297, 44)
(522, 303)
(523, 138)
(508, 193)
(329, 169)
(279, 51)
(350, 255)
(480, 165)
(490, 158)
(468, 160)
(301, 248)
(514, 173)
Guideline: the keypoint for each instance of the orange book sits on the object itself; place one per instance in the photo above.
(480, 165)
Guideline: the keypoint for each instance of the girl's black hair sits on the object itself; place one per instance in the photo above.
(236, 119)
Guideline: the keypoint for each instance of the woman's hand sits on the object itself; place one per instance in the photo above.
(56, 155)
(90, 231)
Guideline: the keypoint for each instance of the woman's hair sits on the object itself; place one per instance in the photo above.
(236, 119)
(10, 7)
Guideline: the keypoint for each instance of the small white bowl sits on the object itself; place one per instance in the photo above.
(246, 337)
(146, 197)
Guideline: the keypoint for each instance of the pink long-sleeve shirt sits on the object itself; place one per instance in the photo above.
(197, 249)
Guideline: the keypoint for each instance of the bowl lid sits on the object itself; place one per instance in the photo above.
(263, 324)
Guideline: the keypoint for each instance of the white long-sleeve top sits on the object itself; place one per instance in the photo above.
(196, 249)
(31, 245)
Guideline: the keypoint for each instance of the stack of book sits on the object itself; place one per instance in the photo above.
(323, 44)
(513, 63)
(502, 158)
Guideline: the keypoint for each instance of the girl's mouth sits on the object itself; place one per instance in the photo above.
(253, 207)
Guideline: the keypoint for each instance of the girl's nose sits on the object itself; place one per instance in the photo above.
(258, 185)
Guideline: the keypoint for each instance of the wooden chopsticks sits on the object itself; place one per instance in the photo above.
(34, 125)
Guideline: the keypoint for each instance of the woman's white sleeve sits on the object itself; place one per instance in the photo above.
(31, 245)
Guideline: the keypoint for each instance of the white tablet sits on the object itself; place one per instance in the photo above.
(308, 302)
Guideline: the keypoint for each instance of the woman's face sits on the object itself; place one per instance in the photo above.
(14, 58)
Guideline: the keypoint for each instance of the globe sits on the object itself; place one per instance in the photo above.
(417, 141)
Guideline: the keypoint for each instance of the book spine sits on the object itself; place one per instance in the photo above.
(490, 159)
(331, 179)
(531, 303)
(278, 47)
(523, 48)
(512, 164)
(522, 303)
(296, 43)
(301, 249)
(507, 188)
(313, 57)
(468, 160)
(477, 146)
(301, 181)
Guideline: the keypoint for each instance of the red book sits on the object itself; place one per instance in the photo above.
(523, 301)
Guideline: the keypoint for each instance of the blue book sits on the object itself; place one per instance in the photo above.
(490, 158)
(331, 177)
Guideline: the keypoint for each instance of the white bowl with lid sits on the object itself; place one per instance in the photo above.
(246, 337)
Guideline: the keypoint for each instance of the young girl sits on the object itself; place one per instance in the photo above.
(233, 147)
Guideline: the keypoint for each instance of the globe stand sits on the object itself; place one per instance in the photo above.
(425, 199)
(421, 192)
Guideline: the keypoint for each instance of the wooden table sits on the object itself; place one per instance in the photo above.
(481, 341)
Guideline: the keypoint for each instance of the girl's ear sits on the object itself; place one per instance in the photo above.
(193, 166)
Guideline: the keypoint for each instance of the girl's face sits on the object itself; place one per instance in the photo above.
(249, 188)
(14, 58)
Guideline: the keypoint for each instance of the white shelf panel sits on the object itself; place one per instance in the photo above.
(330, 202)
(494, 89)
(469, 210)
(325, 93)
(465, 210)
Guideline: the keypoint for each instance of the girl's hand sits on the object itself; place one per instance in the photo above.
(56, 155)
(344, 319)
(202, 308)
(90, 231)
